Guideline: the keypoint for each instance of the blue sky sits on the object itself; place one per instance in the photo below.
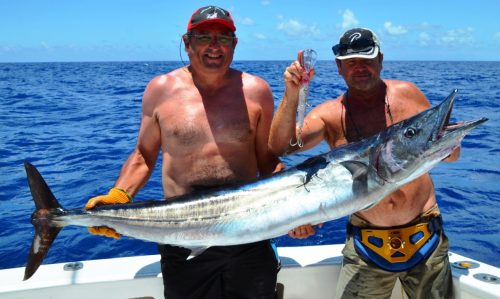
(127, 30)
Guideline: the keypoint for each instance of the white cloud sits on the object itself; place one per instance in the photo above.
(348, 19)
(425, 25)
(458, 37)
(296, 28)
(246, 21)
(8, 49)
(265, 3)
(496, 36)
(259, 36)
(424, 39)
(394, 30)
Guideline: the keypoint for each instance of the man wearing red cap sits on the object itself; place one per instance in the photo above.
(211, 123)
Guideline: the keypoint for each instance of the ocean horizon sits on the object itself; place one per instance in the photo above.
(234, 61)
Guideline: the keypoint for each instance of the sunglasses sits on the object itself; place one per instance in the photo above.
(206, 39)
(355, 47)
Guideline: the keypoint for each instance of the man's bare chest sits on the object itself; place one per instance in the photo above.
(195, 125)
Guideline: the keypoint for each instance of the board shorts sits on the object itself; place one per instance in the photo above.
(239, 271)
(362, 277)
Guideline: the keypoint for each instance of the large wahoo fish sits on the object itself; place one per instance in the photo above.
(326, 187)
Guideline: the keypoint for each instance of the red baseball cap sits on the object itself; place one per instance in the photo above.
(211, 14)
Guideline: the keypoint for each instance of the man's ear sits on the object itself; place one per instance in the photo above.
(185, 39)
(380, 57)
(339, 65)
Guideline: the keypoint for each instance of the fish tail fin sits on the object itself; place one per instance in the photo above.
(45, 230)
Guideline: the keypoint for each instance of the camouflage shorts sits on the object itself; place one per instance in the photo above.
(429, 279)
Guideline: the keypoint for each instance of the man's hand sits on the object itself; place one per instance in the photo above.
(304, 231)
(294, 74)
(114, 196)
(455, 154)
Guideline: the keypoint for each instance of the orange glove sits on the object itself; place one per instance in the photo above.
(114, 196)
(104, 231)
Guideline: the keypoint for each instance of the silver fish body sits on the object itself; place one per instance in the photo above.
(347, 179)
(252, 212)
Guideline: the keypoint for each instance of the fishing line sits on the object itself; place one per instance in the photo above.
(180, 51)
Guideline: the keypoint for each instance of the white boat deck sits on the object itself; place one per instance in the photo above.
(307, 272)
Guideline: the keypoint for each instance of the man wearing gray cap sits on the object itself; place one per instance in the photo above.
(401, 237)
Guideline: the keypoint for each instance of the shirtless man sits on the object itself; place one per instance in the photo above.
(369, 105)
(211, 123)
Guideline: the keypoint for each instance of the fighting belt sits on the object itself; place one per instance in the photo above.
(397, 249)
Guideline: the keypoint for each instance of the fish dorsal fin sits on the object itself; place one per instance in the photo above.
(359, 173)
(311, 166)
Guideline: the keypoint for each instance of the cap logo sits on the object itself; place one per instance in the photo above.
(212, 16)
(354, 36)
(215, 14)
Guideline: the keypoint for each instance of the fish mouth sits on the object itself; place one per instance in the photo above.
(448, 130)
(448, 135)
(451, 128)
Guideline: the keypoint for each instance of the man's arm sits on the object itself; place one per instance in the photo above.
(140, 164)
(283, 127)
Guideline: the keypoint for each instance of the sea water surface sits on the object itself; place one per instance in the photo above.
(78, 122)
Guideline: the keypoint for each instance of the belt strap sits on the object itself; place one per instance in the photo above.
(397, 248)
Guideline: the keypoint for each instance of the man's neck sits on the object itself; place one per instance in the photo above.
(368, 98)
(209, 82)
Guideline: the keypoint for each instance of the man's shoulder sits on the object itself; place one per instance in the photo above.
(168, 79)
(407, 94)
(405, 89)
(163, 86)
(400, 84)
(332, 103)
(251, 80)
(329, 110)
(255, 88)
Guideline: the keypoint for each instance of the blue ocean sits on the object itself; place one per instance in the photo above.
(78, 122)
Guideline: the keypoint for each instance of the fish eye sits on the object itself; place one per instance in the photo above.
(410, 132)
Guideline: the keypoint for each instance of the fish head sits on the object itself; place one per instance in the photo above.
(410, 148)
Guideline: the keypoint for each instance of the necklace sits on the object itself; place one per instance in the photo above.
(346, 105)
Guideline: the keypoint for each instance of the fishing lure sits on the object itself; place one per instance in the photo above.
(308, 61)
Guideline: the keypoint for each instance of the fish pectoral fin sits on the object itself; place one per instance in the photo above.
(356, 168)
(195, 251)
(359, 173)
